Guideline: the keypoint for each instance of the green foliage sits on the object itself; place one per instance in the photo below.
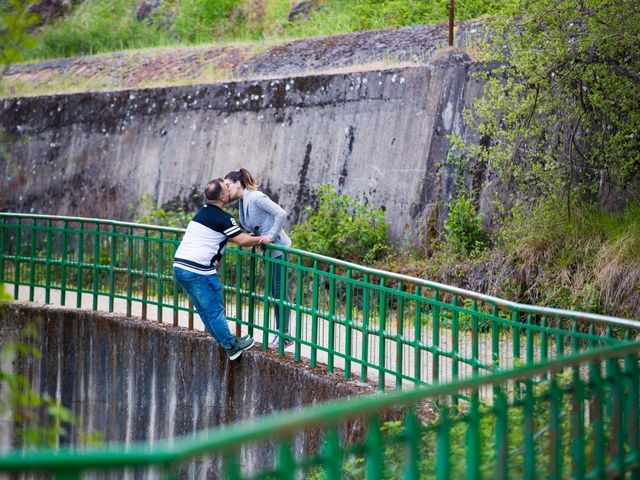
(342, 227)
(199, 20)
(40, 420)
(589, 262)
(95, 26)
(15, 22)
(4, 295)
(146, 211)
(563, 110)
(464, 232)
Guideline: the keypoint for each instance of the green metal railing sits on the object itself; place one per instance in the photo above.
(575, 417)
(556, 390)
(383, 327)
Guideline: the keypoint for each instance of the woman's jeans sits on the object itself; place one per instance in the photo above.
(206, 295)
(278, 286)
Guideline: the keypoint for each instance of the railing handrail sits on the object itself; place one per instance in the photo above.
(520, 307)
(276, 425)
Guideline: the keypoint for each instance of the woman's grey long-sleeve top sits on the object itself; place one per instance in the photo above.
(262, 216)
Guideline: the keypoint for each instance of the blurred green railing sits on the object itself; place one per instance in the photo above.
(388, 328)
(575, 417)
(519, 390)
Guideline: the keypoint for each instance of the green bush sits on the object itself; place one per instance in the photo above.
(96, 27)
(464, 232)
(342, 227)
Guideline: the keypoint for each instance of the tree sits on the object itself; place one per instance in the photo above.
(562, 109)
(16, 20)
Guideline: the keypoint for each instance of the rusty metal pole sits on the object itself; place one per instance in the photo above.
(451, 10)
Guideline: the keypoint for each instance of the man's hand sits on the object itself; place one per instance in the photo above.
(246, 240)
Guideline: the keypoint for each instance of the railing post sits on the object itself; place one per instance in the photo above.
(473, 438)
(80, 265)
(332, 316)
(455, 339)
(375, 451)
(112, 268)
(63, 266)
(417, 328)
(145, 272)
(365, 328)
(160, 290)
(16, 270)
(253, 258)
(129, 271)
(299, 273)
(238, 297)
(443, 449)
(348, 324)
(47, 268)
(96, 265)
(32, 260)
(266, 303)
(436, 338)
(314, 316)
(412, 435)
(382, 314)
(399, 336)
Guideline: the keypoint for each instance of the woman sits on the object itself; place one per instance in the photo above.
(262, 216)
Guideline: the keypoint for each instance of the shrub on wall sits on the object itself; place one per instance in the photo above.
(342, 227)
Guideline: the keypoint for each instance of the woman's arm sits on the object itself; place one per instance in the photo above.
(268, 206)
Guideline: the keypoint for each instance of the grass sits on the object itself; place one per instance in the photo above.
(96, 27)
(587, 261)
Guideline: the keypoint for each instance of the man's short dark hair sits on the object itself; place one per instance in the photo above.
(213, 189)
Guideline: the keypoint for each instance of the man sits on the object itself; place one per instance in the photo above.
(197, 257)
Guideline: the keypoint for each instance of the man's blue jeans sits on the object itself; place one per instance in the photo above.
(206, 295)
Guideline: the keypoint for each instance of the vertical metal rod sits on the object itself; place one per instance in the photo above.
(314, 316)
(159, 289)
(63, 271)
(253, 258)
(238, 313)
(451, 17)
(417, 329)
(16, 285)
(129, 271)
(112, 268)
(80, 262)
(3, 227)
(299, 335)
(382, 327)
(96, 265)
(265, 301)
(399, 336)
(332, 317)
(365, 329)
(436, 338)
(32, 261)
(47, 268)
(348, 320)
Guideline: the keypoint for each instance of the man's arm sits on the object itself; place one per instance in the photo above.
(246, 240)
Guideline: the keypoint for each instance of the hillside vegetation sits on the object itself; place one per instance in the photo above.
(95, 26)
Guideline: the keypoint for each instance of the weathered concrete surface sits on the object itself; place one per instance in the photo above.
(381, 136)
(137, 381)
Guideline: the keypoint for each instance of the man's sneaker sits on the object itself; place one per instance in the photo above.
(240, 346)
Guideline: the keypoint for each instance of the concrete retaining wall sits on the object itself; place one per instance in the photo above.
(138, 381)
(381, 136)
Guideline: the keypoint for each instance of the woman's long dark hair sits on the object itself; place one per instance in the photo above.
(244, 177)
